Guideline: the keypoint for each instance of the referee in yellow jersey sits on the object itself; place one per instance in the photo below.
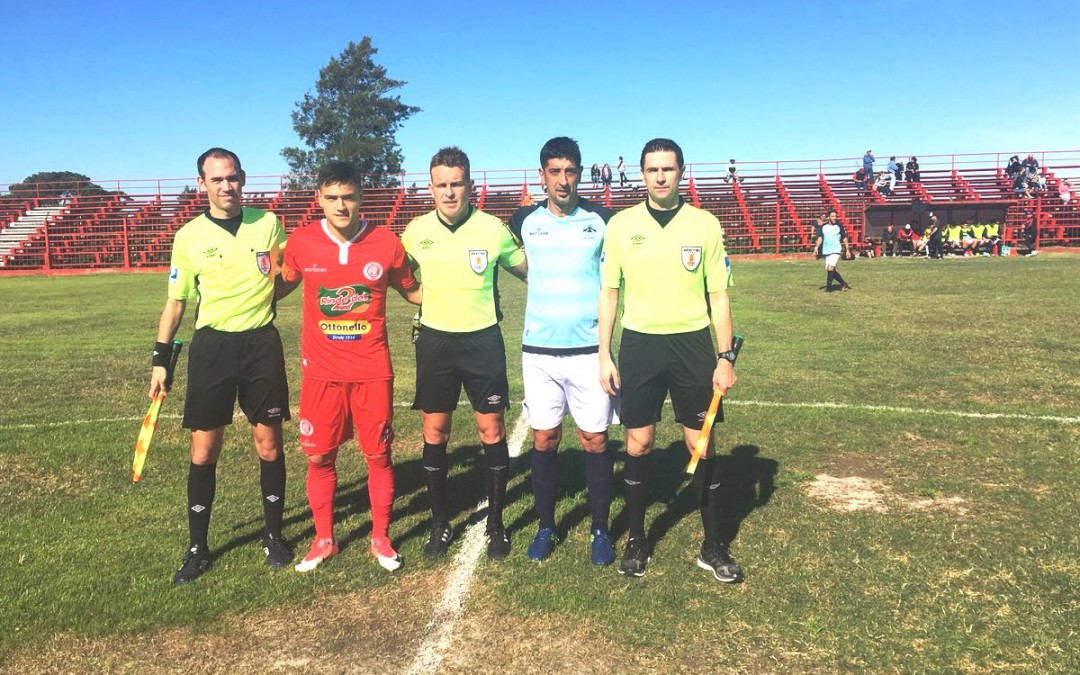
(456, 250)
(669, 260)
(225, 260)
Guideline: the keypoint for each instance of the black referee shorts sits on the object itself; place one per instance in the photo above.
(651, 366)
(445, 362)
(248, 366)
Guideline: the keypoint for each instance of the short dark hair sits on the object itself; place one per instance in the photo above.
(560, 147)
(830, 212)
(451, 156)
(217, 153)
(338, 171)
(663, 145)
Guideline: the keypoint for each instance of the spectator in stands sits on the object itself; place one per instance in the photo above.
(896, 170)
(885, 183)
(868, 163)
(732, 172)
(888, 241)
(904, 240)
(1014, 167)
(621, 168)
(1031, 165)
(933, 238)
(605, 175)
(1031, 233)
(911, 171)
(595, 173)
(1065, 191)
(1021, 187)
(860, 179)
(1035, 180)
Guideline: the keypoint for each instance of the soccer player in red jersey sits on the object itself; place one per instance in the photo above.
(347, 265)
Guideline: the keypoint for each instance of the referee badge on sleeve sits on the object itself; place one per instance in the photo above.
(691, 257)
(478, 260)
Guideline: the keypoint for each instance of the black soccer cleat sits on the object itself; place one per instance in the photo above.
(717, 559)
(196, 562)
(498, 543)
(635, 557)
(278, 552)
(438, 540)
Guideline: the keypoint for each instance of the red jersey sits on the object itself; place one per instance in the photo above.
(343, 336)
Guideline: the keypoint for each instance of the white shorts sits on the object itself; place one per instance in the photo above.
(831, 260)
(557, 385)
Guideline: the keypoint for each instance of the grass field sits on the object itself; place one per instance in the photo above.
(903, 471)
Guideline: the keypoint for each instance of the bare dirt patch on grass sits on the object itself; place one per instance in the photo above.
(380, 632)
(851, 493)
(857, 493)
(362, 632)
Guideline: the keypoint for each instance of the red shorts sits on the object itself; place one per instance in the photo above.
(330, 410)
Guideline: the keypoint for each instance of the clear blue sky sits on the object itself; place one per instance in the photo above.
(127, 89)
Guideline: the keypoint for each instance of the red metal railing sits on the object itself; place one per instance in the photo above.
(129, 223)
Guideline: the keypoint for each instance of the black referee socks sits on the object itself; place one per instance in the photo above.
(201, 486)
(636, 490)
(435, 466)
(272, 480)
(497, 463)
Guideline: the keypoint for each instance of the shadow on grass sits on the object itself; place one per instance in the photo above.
(747, 482)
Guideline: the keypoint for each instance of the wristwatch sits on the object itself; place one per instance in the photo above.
(729, 355)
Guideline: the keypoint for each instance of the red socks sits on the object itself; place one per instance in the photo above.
(321, 486)
(380, 492)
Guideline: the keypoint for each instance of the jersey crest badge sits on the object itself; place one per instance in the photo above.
(373, 271)
(478, 260)
(691, 257)
(262, 259)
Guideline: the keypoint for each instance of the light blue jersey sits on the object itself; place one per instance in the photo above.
(832, 234)
(564, 276)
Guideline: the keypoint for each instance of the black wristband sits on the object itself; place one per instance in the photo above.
(162, 352)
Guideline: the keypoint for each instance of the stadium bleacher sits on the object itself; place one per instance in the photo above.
(771, 210)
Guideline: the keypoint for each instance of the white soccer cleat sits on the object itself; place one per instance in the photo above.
(385, 554)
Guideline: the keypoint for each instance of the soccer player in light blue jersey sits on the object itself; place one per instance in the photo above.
(563, 236)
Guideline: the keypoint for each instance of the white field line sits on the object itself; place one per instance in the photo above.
(441, 627)
(517, 438)
(912, 411)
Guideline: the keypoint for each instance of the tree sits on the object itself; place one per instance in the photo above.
(350, 117)
(56, 185)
